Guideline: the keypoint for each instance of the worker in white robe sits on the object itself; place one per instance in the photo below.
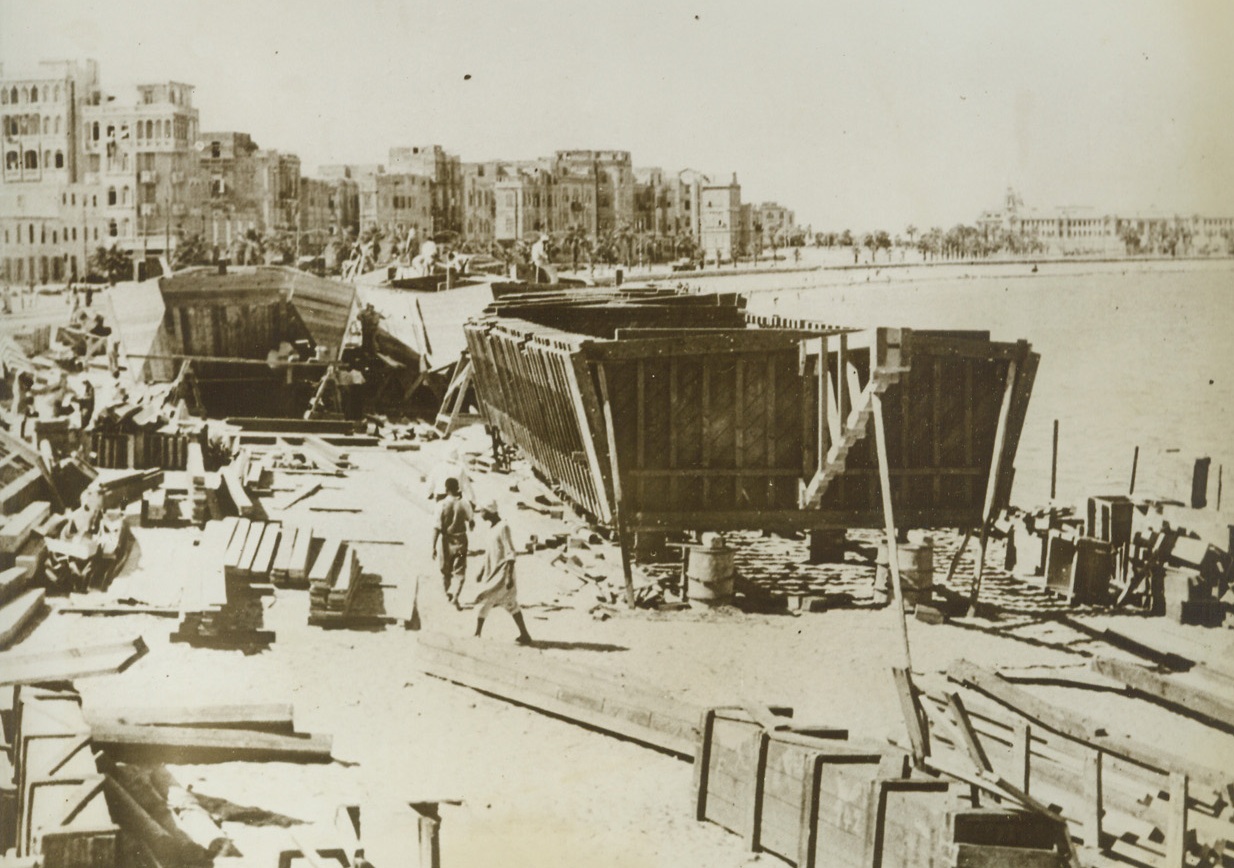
(496, 587)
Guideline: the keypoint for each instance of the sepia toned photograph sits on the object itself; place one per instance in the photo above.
(511, 434)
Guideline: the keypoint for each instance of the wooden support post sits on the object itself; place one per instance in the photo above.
(429, 828)
(1092, 806)
(1022, 754)
(1054, 464)
(757, 783)
(893, 550)
(955, 560)
(618, 505)
(702, 763)
(996, 467)
(972, 743)
(1176, 823)
(1135, 463)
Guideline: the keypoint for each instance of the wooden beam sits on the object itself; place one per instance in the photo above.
(69, 663)
(188, 744)
(914, 718)
(618, 490)
(893, 549)
(268, 718)
(1189, 700)
(996, 460)
(964, 725)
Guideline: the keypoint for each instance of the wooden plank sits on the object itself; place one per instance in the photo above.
(264, 558)
(235, 547)
(235, 490)
(268, 718)
(252, 544)
(325, 566)
(297, 564)
(18, 613)
(282, 555)
(12, 581)
(188, 744)
(1176, 829)
(69, 663)
(972, 744)
(18, 528)
(1085, 730)
(1190, 700)
(918, 733)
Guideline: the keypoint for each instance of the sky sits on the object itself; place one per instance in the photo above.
(862, 115)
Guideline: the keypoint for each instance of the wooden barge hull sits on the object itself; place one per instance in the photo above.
(692, 420)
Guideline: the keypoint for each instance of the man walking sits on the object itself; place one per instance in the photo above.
(453, 519)
(496, 582)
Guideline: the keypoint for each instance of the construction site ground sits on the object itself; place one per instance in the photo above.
(541, 791)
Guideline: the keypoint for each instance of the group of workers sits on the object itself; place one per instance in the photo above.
(495, 584)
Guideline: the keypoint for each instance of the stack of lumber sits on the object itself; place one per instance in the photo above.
(20, 605)
(139, 438)
(58, 808)
(290, 568)
(84, 549)
(220, 606)
(184, 497)
(814, 798)
(334, 581)
(21, 477)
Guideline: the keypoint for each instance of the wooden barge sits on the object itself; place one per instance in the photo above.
(656, 410)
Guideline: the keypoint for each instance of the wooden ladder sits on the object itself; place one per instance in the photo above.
(455, 397)
(886, 369)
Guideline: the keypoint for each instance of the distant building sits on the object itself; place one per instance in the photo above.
(396, 203)
(720, 218)
(142, 156)
(595, 191)
(778, 223)
(522, 195)
(445, 174)
(1084, 230)
(479, 201)
(51, 219)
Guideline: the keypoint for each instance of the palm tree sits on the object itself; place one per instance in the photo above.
(911, 231)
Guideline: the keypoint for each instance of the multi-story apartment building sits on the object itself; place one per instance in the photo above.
(230, 207)
(720, 218)
(142, 157)
(595, 190)
(396, 203)
(523, 197)
(50, 217)
(479, 199)
(445, 173)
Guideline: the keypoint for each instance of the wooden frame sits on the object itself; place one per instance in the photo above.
(716, 428)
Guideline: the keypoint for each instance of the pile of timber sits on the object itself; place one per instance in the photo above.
(813, 797)
(1139, 802)
(1116, 555)
(163, 823)
(223, 607)
(141, 437)
(20, 604)
(185, 497)
(56, 812)
(335, 580)
(22, 478)
(86, 556)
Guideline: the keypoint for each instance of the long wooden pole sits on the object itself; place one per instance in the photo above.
(1054, 464)
(627, 570)
(893, 550)
(996, 466)
(1135, 464)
